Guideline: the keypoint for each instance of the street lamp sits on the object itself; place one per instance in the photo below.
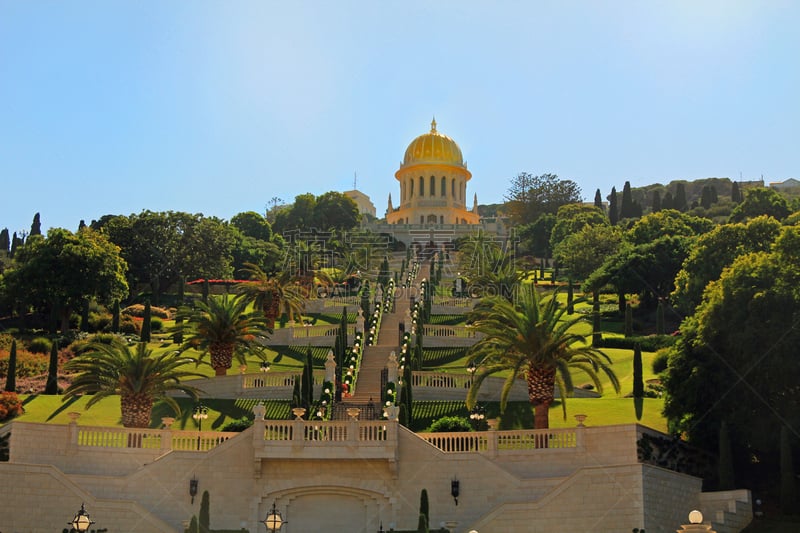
(477, 414)
(200, 413)
(81, 522)
(265, 366)
(472, 367)
(274, 521)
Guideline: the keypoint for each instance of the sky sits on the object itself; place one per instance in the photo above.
(114, 107)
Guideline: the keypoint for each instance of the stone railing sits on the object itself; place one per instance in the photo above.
(337, 439)
(461, 332)
(441, 380)
(326, 330)
(449, 301)
(498, 442)
(147, 439)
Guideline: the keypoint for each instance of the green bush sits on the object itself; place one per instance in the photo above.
(649, 343)
(99, 321)
(238, 425)
(137, 310)
(80, 345)
(40, 345)
(660, 360)
(156, 324)
(129, 326)
(450, 424)
(5, 341)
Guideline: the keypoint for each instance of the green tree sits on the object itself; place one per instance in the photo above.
(584, 251)
(627, 208)
(572, 218)
(59, 272)
(335, 210)
(530, 196)
(5, 241)
(194, 527)
(628, 320)
(135, 374)
(638, 378)
(761, 201)
(680, 202)
(253, 225)
(534, 340)
(146, 318)
(613, 210)
(406, 399)
(36, 225)
(736, 357)
(656, 206)
(11, 375)
(717, 249)
(598, 200)
(667, 222)
(51, 386)
(422, 524)
(204, 521)
(115, 312)
(423, 506)
(307, 381)
(223, 328)
(736, 193)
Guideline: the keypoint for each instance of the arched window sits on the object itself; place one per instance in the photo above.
(441, 219)
(431, 219)
(421, 186)
(422, 219)
(444, 187)
(453, 188)
(433, 186)
(411, 192)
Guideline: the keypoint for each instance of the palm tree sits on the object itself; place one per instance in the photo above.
(224, 328)
(274, 295)
(533, 340)
(135, 374)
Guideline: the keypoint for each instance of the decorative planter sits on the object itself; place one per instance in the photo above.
(299, 412)
(353, 412)
(580, 419)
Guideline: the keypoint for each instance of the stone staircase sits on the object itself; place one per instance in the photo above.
(367, 394)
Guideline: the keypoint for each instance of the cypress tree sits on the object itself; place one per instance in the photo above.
(115, 317)
(194, 527)
(5, 241)
(705, 197)
(14, 244)
(736, 193)
(597, 336)
(725, 459)
(668, 202)
(638, 379)
(422, 525)
(788, 484)
(626, 209)
(36, 225)
(145, 336)
(570, 298)
(341, 355)
(423, 506)
(365, 303)
(204, 521)
(714, 196)
(598, 199)
(52, 371)
(297, 399)
(680, 198)
(11, 378)
(81, 224)
(628, 320)
(406, 399)
(85, 315)
(660, 327)
(613, 212)
(308, 397)
(656, 202)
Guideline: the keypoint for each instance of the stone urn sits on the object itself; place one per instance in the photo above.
(580, 419)
(167, 421)
(353, 412)
(299, 412)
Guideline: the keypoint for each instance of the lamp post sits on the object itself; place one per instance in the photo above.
(472, 367)
(274, 521)
(265, 366)
(200, 413)
(81, 522)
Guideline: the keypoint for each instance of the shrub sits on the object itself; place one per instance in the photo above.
(650, 343)
(239, 424)
(99, 321)
(156, 324)
(80, 345)
(129, 326)
(10, 406)
(450, 424)
(137, 310)
(660, 360)
(5, 341)
(40, 345)
(28, 364)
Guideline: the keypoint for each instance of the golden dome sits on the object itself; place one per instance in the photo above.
(433, 147)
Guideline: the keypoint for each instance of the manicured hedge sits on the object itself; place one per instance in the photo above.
(649, 343)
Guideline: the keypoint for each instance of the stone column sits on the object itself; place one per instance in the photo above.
(330, 367)
(392, 367)
(360, 321)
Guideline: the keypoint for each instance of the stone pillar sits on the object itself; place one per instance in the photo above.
(391, 366)
(72, 432)
(360, 321)
(330, 367)
(407, 320)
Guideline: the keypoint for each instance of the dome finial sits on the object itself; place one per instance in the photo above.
(433, 125)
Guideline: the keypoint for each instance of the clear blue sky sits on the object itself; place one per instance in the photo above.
(217, 107)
